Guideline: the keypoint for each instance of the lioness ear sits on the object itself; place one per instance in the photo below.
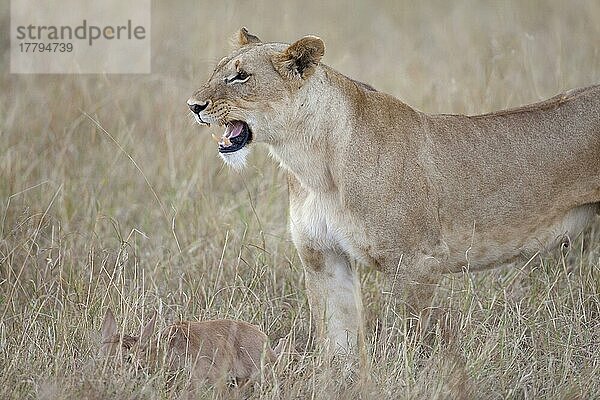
(243, 38)
(109, 326)
(300, 59)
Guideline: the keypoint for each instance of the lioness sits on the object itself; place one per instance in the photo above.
(374, 180)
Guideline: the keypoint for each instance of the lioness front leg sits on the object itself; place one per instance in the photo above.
(334, 296)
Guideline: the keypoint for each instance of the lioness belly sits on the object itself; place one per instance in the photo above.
(506, 244)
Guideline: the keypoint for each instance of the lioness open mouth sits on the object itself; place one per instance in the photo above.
(237, 135)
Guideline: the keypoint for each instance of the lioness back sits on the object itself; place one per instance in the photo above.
(532, 170)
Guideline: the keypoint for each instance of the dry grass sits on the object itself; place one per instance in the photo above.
(81, 228)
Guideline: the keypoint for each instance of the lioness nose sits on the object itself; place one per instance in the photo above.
(196, 108)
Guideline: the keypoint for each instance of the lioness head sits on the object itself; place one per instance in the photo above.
(252, 90)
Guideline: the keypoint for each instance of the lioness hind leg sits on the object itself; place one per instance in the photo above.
(414, 287)
(334, 295)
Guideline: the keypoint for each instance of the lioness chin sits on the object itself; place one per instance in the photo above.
(374, 180)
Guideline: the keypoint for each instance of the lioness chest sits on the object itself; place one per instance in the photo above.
(318, 221)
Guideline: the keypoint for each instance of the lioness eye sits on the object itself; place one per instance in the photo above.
(240, 77)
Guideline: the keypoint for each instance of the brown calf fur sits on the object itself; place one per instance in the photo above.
(214, 351)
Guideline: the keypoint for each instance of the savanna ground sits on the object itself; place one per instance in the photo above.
(83, 227)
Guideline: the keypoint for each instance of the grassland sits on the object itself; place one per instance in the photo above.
(111, 196)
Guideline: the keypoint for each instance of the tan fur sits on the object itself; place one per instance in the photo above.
(244, 38)
(215, 351)
(375, 180)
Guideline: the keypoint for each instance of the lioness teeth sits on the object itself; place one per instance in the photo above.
(223, 141)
